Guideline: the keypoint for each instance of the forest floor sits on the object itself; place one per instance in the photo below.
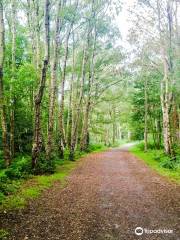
(107, 196)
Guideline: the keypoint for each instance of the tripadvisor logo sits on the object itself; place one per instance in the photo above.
(139, 231)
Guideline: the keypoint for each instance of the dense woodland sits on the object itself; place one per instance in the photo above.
(67, 82)
(157, 86)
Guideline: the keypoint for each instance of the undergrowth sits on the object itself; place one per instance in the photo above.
(3, 234)
(19, 183)
(159, 161)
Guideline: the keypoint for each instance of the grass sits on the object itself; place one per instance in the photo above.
(156, 160)
(32, 188)
(17, 187)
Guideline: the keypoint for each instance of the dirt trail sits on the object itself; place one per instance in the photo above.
(107, 197)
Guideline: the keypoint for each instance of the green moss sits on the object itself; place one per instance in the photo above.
(3, 234)
(155, 159)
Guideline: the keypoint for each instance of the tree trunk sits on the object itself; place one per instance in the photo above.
(178, 133)
(114, 134)
(165, 89)
(69, 118)
(12, 111)
(61, 107)
(71, 97)
(166, 128)
(77, 115)
(84, 137)
(145, 116)
(29, 13)
(6, 151)
(165, 98)
(37, 34)
(53, 86)
(37, 140)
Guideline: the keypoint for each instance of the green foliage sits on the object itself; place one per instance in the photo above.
(9, 186)
(17, 187)
(12, 177)
(13, 202)
(20, 168)
(171, 163)
(33, 187)
(31, 192)
(96, 148)
(150, 146)
(3, 234)
(154, 105)
(44, 166)
(160, 162)
(2, 164)
(2, 197)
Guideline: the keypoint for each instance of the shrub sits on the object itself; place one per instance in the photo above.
(95, 147)
(20, 168)
(158, 155)
(3, 234)
(44, 166)
(171, 163)
(2, 197)
(150, 146)
(167, 163)
(9, 186)
(2, 164)
(141, 146)
(13, 173)
(3, 176)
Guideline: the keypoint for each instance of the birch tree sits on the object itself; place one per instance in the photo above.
(53, 82)
(37, 139)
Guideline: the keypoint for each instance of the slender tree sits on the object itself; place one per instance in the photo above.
(165, 88)
(37, 139)
(61, 107)
(12, 114)
(2, 99)
(53, 82)
(145, 115)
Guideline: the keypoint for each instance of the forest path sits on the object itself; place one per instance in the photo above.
(107, 197)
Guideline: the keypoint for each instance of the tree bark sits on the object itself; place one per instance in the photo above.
(178, 133)
(61, 107)
(77, 115)
(145, 116)
(29, 12)
(37, 34)
(12, 111)
(71, 98)
(6, 151)
(114, 126)
(53, 85)
(85, 135)
(37, 140)
(165, 90)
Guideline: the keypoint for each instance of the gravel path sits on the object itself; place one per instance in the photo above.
(107, 197)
